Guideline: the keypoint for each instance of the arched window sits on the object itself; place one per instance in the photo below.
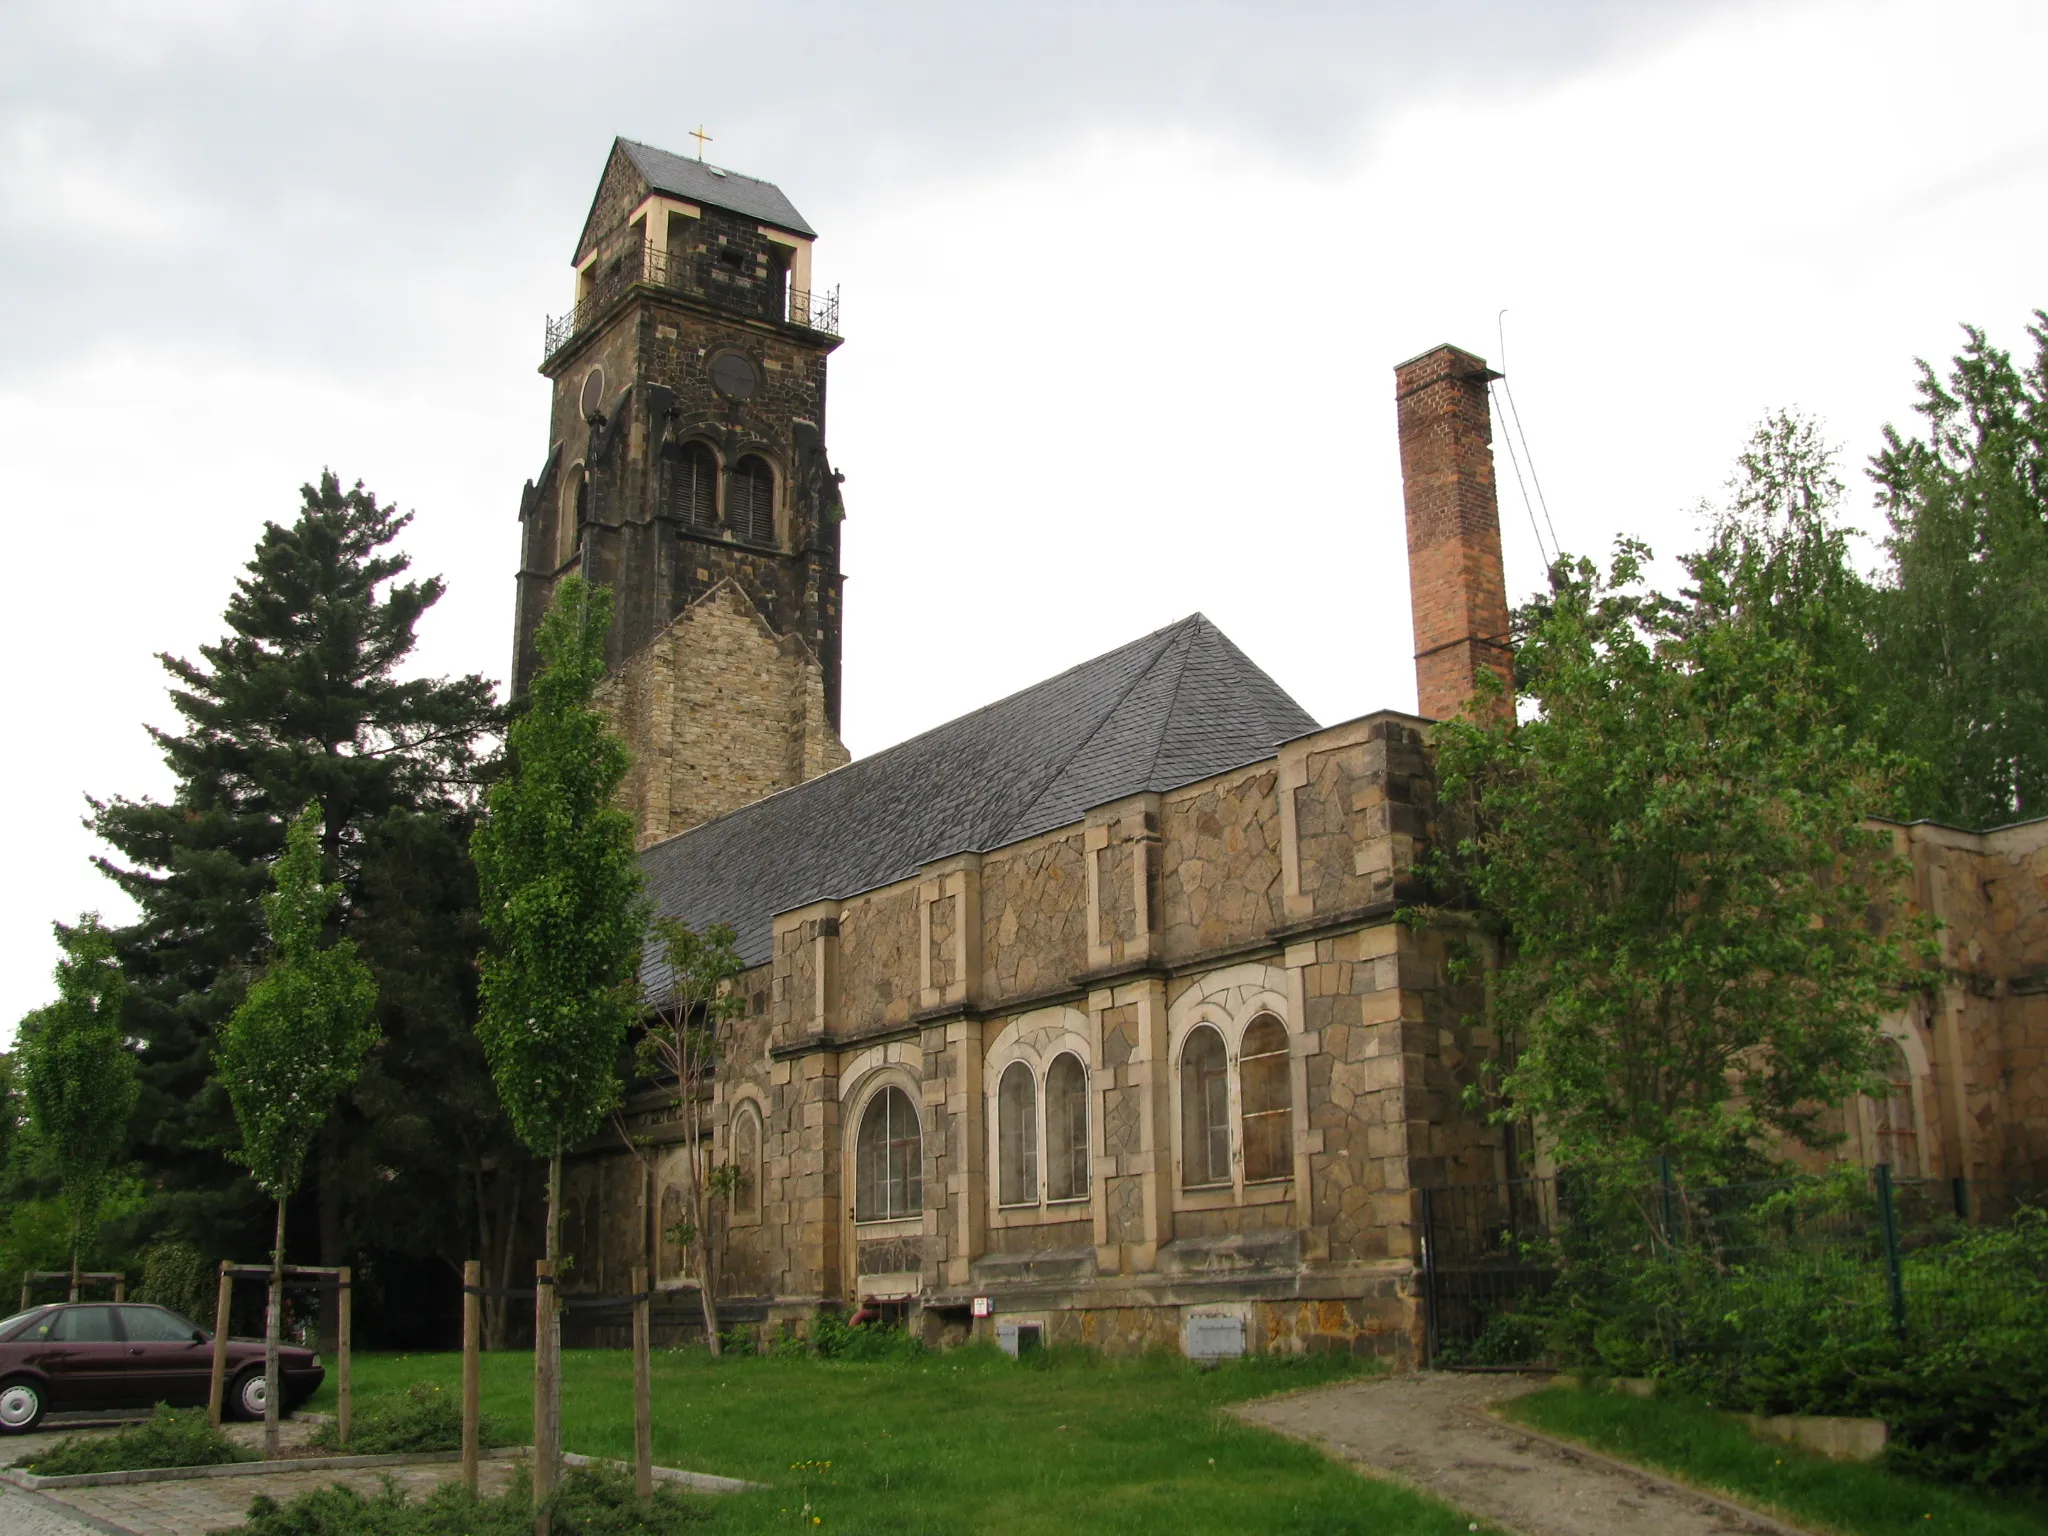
(746, 1162)
(1066, 1129)
(671, 1253)
(1017, 1137)
(569, 516)
(750, 500)
(1898, 1138)
(888, 1180)
(1264, 1092)
(1204, 1109)
(689, 484)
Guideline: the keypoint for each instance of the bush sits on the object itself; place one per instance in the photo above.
(834, 1339)
(177, 1276)
(423, 1418)
(169, 1438)
(590, 1502)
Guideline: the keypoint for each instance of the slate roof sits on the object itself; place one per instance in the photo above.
(696, 182)
(1175, 707)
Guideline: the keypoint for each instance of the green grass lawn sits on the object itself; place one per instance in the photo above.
(1686, 1439)
(960, 1442)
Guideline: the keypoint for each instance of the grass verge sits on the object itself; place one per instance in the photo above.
(1685, 1439)
(966, 1441)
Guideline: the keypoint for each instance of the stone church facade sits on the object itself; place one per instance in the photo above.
(1092, 1012)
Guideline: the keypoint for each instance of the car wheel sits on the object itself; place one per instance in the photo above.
(249, 1394)
(21, 1407)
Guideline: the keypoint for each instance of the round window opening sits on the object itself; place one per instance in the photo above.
(591, 400)
(733, 376)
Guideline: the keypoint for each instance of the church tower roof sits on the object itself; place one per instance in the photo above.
(1175, 707)
(697, 182)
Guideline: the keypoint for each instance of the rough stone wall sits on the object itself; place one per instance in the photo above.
(1034, 908)
(717, 713)
(1219, 863)
(879, 972)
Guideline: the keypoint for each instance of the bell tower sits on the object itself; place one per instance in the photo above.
(686, 470)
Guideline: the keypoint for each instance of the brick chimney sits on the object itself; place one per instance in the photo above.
(1455, 581)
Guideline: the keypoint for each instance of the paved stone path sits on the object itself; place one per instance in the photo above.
(1431, 1431)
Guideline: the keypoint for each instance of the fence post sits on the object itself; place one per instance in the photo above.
(24, 1290)
(1429, 1330)
(344, 1317)
(1888, 1222)
(223, 1312)
(472, 1387)
(643, 1400)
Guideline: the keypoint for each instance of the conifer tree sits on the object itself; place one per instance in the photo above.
(293, 1047)
(78, 1076)
(561, 899)
(302, 701)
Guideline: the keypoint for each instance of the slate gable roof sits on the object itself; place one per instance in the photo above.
(696, 182)
(1177, 706)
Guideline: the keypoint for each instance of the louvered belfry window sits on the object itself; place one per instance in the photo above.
(750, 500)
(689, 489)
(1066, 1128)
(888, 1179)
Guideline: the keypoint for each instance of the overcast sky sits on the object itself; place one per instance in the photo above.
(1123, 287)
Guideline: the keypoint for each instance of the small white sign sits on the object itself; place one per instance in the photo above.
(983, 1307)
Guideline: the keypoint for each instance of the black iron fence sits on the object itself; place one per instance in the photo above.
(1874, 1254)
(702, 277)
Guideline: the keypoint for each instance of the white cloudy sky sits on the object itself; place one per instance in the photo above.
(1124, 282)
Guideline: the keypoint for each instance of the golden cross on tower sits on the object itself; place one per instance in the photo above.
(702, 139)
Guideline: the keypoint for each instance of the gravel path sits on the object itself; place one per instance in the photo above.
(1431, 1431)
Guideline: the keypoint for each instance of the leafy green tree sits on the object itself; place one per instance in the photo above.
(1674, 853)
(561, 901)
(302, 701)
(293, 1048)
(78, 1076)
(1962, 631)
(693, 983)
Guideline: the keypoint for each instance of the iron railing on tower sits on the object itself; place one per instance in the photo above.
(702, 277)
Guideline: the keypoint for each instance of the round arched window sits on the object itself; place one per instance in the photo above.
(888, 1176)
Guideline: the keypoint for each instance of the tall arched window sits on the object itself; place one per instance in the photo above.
(1017, 1137)
(1263, 1085)
(750, 500)
(1066, 1129)
(746, 1162)
(1898, 1137)
(569, 515)
(888, 1180)
(1204, 1109)
(689, 483)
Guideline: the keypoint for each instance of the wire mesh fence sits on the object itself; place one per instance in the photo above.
(1855, 1253)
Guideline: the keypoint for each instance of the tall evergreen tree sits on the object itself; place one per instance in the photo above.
(303, 701)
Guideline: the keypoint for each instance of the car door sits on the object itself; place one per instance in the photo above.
(85, 1358)
(168, 1360)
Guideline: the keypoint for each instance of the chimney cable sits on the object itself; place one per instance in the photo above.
(1507, 390)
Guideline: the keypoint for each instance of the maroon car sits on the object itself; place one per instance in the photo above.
(90, 1355)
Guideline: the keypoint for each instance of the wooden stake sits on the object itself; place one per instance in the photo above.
(120, 1287)
(24, 1290)
(547, 1363)
(344, 1315)
(222, 1309)
(472, 1367)
(643, 1394)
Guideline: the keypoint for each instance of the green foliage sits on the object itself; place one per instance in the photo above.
(589, 1502)
(176, 1275)
(1962, 627)
(302, 701)
(170, 1437)
(297, 1043)
(422, 1418)
(1685, 1438)
(560, 892)
(832, 1338)
(1673, 848)
(78, 1073)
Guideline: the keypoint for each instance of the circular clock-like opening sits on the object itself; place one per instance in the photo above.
(591, 400)
(733, 376)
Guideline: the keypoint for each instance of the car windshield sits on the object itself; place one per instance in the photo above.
(9, 1325)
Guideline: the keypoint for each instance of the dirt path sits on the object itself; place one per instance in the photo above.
(1431, 1431)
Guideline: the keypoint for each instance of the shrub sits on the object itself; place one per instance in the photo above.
(422, 1418)
(590, 1502)
(168, 1438)
(834, 1339)
(177, 1276)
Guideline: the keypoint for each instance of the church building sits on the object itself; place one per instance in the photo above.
(1087, 1017)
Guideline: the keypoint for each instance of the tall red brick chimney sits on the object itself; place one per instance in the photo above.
(1455, 581)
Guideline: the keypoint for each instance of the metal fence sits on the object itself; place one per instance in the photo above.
(701, 277)
(1869, 1253)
